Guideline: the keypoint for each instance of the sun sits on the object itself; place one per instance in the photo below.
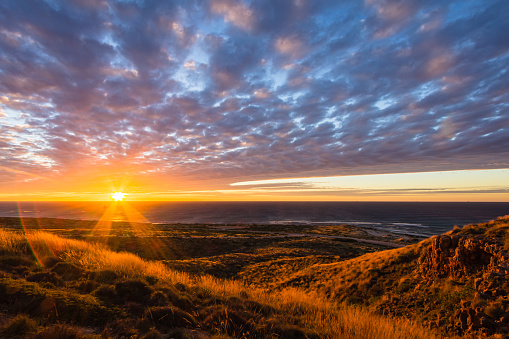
(118, 196)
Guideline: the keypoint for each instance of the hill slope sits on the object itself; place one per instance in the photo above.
(52, 287)
(457, 282)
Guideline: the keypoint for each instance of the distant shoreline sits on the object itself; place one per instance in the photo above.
(93, 228)
(406, 218)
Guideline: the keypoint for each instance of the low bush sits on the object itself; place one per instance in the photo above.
(68, 271)
(133, 290)
(46, 277)
(59, 331)
(87, 286)
(168, 317)
(153, 334)
(104, 277)
(292, 332)
(225, 320)
(9, 261)
(158, 298)
(121, 328)
(18, 326)
(107, 294)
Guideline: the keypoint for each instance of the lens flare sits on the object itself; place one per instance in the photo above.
(118, 196)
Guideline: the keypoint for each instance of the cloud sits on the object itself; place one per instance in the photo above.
(243, 90)
(291, 46)
(451, 182)
(235, 12)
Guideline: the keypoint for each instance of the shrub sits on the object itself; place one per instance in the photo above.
(104, 277)
(257, 307)
(158, 298)
(46, 277)
(107, 294)
(88, 286)
(181, 301)
(123, 328)
(68, 271)
(153, 334)
(354, 300)
(181, 287)
(134, 308)
(59, 332)
(15, 261)
(133, 290)
(203, 293)
(167, 317)
(290, 332)
(178, 333)
(229, 321)
(18, 326)
(151, 280)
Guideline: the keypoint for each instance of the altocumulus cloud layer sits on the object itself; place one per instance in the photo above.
(252, 89)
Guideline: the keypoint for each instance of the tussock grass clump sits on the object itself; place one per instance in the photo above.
(53, 303)
(133, 290)
(152, 334)
(8, 261)
(123, 328)
(167, 317)
(60, 331)
(49, 278)
(20, 325)
(104, 277)
(225, 320)
(107, 294)
(68, 271)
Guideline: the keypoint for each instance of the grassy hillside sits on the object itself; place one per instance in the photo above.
(53, 287)
(457, 282)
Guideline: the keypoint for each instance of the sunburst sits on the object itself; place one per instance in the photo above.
(118, 196)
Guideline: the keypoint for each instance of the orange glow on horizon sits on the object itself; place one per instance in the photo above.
(455, 186)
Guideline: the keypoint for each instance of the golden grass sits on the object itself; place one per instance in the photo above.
(313, 309)
(337, 278)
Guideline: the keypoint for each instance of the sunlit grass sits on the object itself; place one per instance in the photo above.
(313, 310)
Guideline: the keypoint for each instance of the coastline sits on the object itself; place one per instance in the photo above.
(404, 218)
(99, 229)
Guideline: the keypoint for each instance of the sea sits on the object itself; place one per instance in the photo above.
(406, 218)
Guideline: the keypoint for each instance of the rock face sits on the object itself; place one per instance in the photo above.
(459, 255)
(476, 259)
(471, 320)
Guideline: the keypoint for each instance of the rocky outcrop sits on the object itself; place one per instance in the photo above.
(476, 259)
(459, 255)
(470, 319)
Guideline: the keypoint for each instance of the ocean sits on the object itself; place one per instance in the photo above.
(409, 218)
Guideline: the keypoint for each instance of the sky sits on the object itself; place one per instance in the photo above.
(254, 100)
